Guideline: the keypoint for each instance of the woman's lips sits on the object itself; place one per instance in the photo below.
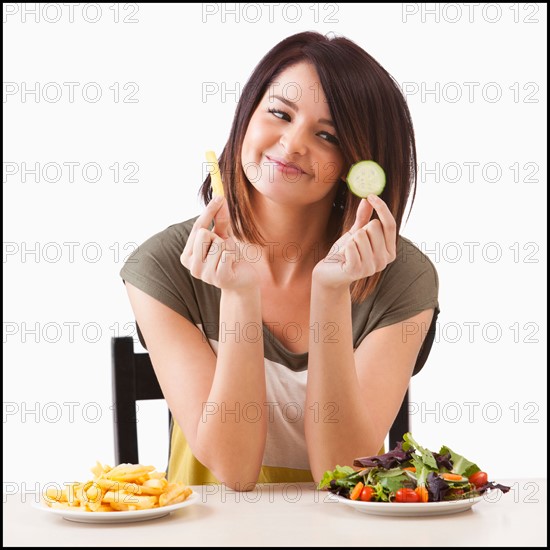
(285, 167)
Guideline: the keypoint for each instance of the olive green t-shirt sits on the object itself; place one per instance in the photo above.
(408, 286)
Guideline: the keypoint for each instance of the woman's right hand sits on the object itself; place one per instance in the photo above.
(214, 256)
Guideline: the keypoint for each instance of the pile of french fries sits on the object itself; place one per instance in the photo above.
(120, 489)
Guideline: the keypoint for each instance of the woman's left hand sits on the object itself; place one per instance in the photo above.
(367, 248)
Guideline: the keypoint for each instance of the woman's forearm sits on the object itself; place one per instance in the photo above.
(333, 386)
(232, 431)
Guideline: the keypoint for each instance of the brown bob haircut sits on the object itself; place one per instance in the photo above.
(372, 121)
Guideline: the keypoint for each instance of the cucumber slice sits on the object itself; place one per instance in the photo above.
(365, 178)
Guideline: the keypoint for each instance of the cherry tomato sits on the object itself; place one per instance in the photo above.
(366, 493)
(478, 479)
(406, 495)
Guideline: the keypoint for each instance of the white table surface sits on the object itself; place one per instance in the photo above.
(292, 515)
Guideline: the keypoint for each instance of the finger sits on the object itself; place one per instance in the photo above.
(352, 259)
(224, 268)
(212, 260)
(202, 222)
(363, 215)
(366, 254)
(205, 219)
(202, 248)
(187, 253)
(339, 245)
(375, 234)
(222, 220)
(363, 245)
(388, 224)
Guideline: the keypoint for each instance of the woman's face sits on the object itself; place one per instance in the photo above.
(290, 151)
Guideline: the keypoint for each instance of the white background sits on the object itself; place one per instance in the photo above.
(483, 389)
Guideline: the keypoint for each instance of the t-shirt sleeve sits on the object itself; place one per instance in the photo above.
(409, 286)
(155, 268)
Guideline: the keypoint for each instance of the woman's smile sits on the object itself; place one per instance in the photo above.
(286, 167)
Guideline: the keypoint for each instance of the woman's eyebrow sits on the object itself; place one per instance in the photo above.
(294, 107)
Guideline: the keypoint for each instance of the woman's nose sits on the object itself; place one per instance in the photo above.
(293, 140)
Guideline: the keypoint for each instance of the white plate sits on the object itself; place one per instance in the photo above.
(117, 517)
(410, 508)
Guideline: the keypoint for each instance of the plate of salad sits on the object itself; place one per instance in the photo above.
(410, 480)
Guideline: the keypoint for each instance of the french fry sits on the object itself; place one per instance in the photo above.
(175, 491)
(128, 472)
(215, 174)
(130, 499)
(107, 484)
(55, 494)
(126, 487)
(157, 475)
(119, 507)
(154, 487)
(92, 494)
(99, 469)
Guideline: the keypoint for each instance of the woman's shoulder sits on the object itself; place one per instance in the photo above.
(410, 262)
(411, 276)
(172, 237)
(178, 232)
(162, 250)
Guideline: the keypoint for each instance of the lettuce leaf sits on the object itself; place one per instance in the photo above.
(340, 472)
(394, 479)
(461, 465)
(427, 456)
(381, 494)
(422, 471)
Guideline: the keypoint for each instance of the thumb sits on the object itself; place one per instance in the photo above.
(222, 221)
(363, 215)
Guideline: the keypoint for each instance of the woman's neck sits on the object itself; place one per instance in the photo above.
(296, 240)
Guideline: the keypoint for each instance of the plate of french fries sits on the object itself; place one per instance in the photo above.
(125, 493)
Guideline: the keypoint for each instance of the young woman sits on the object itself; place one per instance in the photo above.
(285, 322)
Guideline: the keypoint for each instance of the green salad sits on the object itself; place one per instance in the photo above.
(409, 473)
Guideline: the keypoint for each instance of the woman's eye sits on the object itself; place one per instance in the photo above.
(285, 116)
(329, 137)
(279, 114)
